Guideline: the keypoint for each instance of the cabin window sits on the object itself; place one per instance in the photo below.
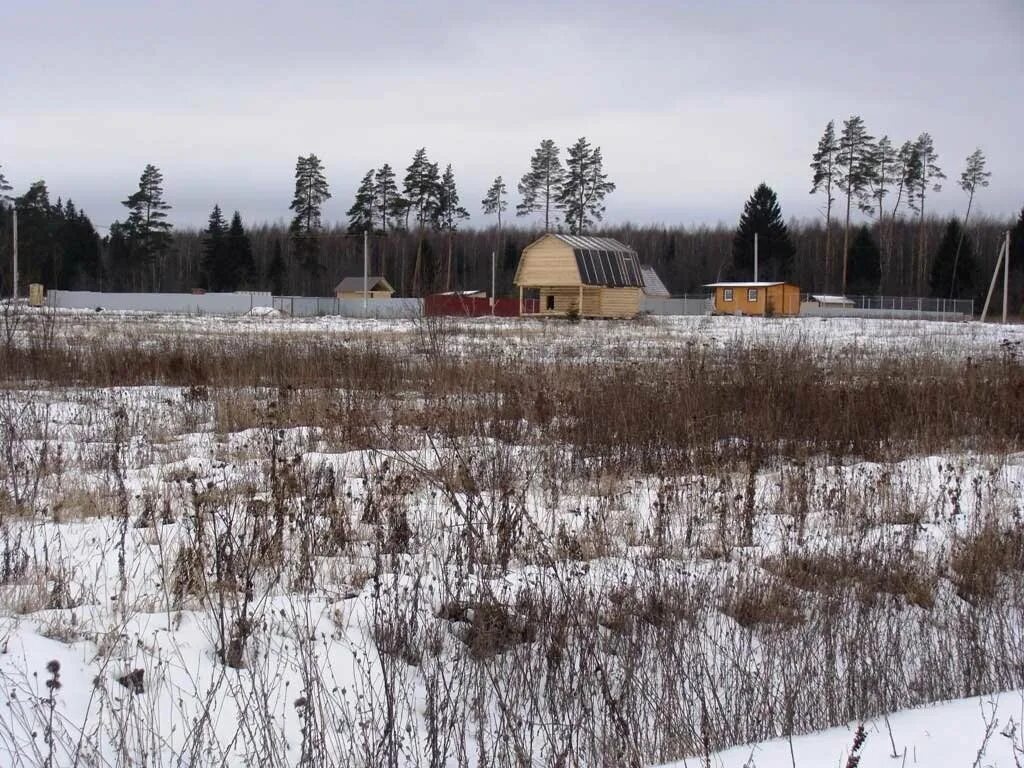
(752, 294)
(549, 302)
(727, 294)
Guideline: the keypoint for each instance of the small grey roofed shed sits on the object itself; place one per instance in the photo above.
(652, 283)
(355, 284)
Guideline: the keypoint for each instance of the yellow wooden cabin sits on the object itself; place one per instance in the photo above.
(588, 276)
(761, 299)
(352, 288)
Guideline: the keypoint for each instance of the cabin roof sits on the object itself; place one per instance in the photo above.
(653, 286)
(604, 261)
(823, 298)
(355, 284)
(745, 285)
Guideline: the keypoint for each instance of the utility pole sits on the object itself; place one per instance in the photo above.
(1006, 275)
(366, 270)
(14, 252)
(1004, 262)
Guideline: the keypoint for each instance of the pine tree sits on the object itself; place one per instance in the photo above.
(241, 267)
(762, 215)
(823, 163)
(422, 188)
(311, 190)
(923, 175)
(855, 170)
(5, 187)
(361, 214)
(974, 176)
(865, 263)
(449, 212)
(385, 197)
(494, 201)
(276, 271)
(541, 186)
(148, 232)
(581, 198)
(214, 264)
(962, 275)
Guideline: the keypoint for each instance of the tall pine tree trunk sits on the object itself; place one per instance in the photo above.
(828, 239)
(846, 232)
(959, 244)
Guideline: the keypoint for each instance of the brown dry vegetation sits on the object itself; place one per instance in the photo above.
(507, 580)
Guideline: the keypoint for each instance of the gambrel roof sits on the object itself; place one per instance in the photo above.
(604, 261)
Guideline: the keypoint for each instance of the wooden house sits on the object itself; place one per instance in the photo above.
(588, 276)
(352, 288)
(761, 298)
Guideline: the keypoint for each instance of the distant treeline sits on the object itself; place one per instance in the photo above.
(685, 258)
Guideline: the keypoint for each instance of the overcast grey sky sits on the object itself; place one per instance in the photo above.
(693, 103)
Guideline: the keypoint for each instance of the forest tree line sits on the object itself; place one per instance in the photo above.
(417, 242)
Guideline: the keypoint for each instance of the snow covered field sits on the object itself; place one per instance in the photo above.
(338, 542)
(983, 731)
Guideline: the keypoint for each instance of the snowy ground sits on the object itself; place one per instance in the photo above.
(440, 599)
(606, 339)
(982, 731)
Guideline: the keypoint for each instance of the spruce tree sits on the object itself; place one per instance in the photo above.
(238, 253)
(865, 263)
(214, 265)
(119, 258)
(854, 163)
(311, 190)
(584, 187)
(276, 271)
(974, 176)
(148, 231)
(361, 214)
(823, 164)
(494, 201)
(946, 271)
(37, 242)
(762, 215)
(78, 244)
(1017, 244)
(385, 197)
(541, 186)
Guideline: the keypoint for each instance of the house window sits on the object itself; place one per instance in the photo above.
(751, 294)
(727, 294)
(549, 302)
